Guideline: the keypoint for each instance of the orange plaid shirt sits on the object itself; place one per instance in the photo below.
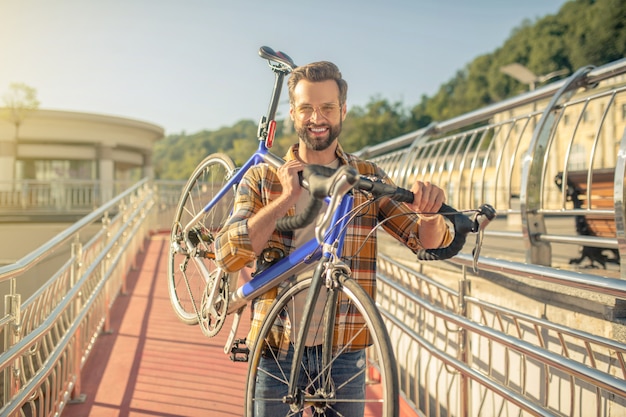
(260, 186)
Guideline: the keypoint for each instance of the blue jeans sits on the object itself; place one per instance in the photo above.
(344, 368)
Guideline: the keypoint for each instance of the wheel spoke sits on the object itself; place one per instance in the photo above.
(192, 257)
(324, 387)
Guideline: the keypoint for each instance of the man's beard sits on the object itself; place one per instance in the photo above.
(316, 143)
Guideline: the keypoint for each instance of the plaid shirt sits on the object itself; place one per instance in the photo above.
(260, 186)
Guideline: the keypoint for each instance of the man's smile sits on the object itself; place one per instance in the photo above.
(318, 130)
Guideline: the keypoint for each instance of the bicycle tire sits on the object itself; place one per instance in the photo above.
(186, 283)
(382, 397)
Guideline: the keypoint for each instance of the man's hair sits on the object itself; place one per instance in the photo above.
(316, 72)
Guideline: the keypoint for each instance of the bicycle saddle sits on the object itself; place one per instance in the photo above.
(268, 53)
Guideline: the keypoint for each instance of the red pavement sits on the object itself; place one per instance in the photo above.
(151, 364)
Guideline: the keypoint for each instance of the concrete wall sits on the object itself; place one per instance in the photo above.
(18, 240)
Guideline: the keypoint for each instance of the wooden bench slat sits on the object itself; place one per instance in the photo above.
(600, 193)
(602, 187)
(601, 196)
(602, 229)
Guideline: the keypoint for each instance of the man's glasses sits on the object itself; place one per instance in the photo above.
(305, 111)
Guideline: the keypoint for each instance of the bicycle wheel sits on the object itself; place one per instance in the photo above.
(192, 272)
(315, 394)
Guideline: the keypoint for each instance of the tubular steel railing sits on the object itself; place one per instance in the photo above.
(461, 353)
(537, 332)
(48, 337)
(521, 145)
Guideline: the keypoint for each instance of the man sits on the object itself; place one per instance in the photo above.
(317, 94)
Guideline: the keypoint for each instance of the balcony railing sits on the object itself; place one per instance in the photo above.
(67, 196)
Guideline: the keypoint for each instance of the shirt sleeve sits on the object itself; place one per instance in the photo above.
(233, 248)
(402, 223)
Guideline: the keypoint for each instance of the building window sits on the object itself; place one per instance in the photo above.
(578, 158)
(50, 170)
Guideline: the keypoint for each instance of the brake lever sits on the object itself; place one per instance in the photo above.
(482, 218)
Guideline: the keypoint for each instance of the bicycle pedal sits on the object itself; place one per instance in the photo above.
(239, 351)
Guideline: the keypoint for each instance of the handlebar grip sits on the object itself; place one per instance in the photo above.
(403, 195)
(290, 223)
(462, 226)
(378, 188)
(318, 180)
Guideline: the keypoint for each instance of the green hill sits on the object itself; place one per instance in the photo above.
(583, 32)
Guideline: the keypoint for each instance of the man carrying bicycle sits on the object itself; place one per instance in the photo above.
(317, 94)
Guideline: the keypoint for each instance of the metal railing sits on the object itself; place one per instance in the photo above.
(48, 337)
(460, 353)
(61, 195)
(528, 334)
(521, 144)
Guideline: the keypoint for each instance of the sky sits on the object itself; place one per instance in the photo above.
(191, 65)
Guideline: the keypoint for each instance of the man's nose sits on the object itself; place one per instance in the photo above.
(316, 114)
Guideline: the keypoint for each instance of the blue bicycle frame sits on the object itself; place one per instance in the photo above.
(300, 260)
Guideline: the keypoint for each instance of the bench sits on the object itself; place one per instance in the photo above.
(601, 197)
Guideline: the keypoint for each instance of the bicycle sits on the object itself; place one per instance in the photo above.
(200, 290)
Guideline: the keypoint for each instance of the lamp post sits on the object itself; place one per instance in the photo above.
(526, 76)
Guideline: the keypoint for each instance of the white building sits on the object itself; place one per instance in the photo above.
(59, 146)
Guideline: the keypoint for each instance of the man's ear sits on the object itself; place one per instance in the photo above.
(344, 111)
(291, 113)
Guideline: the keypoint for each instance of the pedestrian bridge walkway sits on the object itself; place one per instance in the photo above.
(150, 364)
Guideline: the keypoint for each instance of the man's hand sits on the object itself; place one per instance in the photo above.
(290, 180)
(261, 225)
(427, 198)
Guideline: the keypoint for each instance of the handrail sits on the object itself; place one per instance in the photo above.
(595, 76)
(509, 153)
(568, 359)
(411, 302)
(50, 335)
(47, 325)
(590, 375)
(587, 282)
(27, 262)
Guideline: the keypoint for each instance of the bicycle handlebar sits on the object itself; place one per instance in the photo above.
(319, 180)
(323, 181)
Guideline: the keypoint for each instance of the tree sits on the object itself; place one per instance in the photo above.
(19, 101)
(378, 121)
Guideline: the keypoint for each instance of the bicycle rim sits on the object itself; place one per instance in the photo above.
(382, 389)
(192, 267)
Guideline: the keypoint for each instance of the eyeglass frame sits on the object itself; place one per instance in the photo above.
(317, 109)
